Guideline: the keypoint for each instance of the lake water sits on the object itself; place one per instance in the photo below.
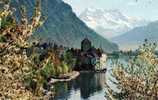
(88, 86)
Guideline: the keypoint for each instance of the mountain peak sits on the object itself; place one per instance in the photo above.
(110, 23)
(91, 9)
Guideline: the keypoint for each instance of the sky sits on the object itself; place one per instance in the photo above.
(145, 9)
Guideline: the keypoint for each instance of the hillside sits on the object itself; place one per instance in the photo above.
(63, 26)
(136, 36)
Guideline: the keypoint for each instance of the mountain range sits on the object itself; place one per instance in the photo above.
(135, 37)
(110, 23)
(63, 26)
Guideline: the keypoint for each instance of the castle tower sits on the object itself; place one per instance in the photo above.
(86, 44)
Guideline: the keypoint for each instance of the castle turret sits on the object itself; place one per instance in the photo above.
(86, 44)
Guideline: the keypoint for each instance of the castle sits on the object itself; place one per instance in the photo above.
(87, 57)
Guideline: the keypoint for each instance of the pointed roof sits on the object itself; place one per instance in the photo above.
(86, 40)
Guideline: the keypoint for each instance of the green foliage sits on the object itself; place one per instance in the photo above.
(2, 38)
(69, 60)
(35, 58)
(65, 68)
(58, 70)
(28, 81)
(7, 22)
(47, 70)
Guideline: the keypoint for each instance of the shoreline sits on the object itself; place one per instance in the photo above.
(71, 76)
(94, 71)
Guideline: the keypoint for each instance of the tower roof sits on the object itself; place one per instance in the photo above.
(86, 40)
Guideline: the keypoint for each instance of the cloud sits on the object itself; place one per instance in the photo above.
(132, 4)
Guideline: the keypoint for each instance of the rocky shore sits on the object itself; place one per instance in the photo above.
(64, 77)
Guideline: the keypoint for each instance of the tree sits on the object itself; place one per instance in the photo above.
(14, 64)
(139, 79)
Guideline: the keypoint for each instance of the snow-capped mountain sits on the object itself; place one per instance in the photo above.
(110, 23)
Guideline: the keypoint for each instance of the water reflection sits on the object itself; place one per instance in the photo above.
(88, 86)
(85, 86)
